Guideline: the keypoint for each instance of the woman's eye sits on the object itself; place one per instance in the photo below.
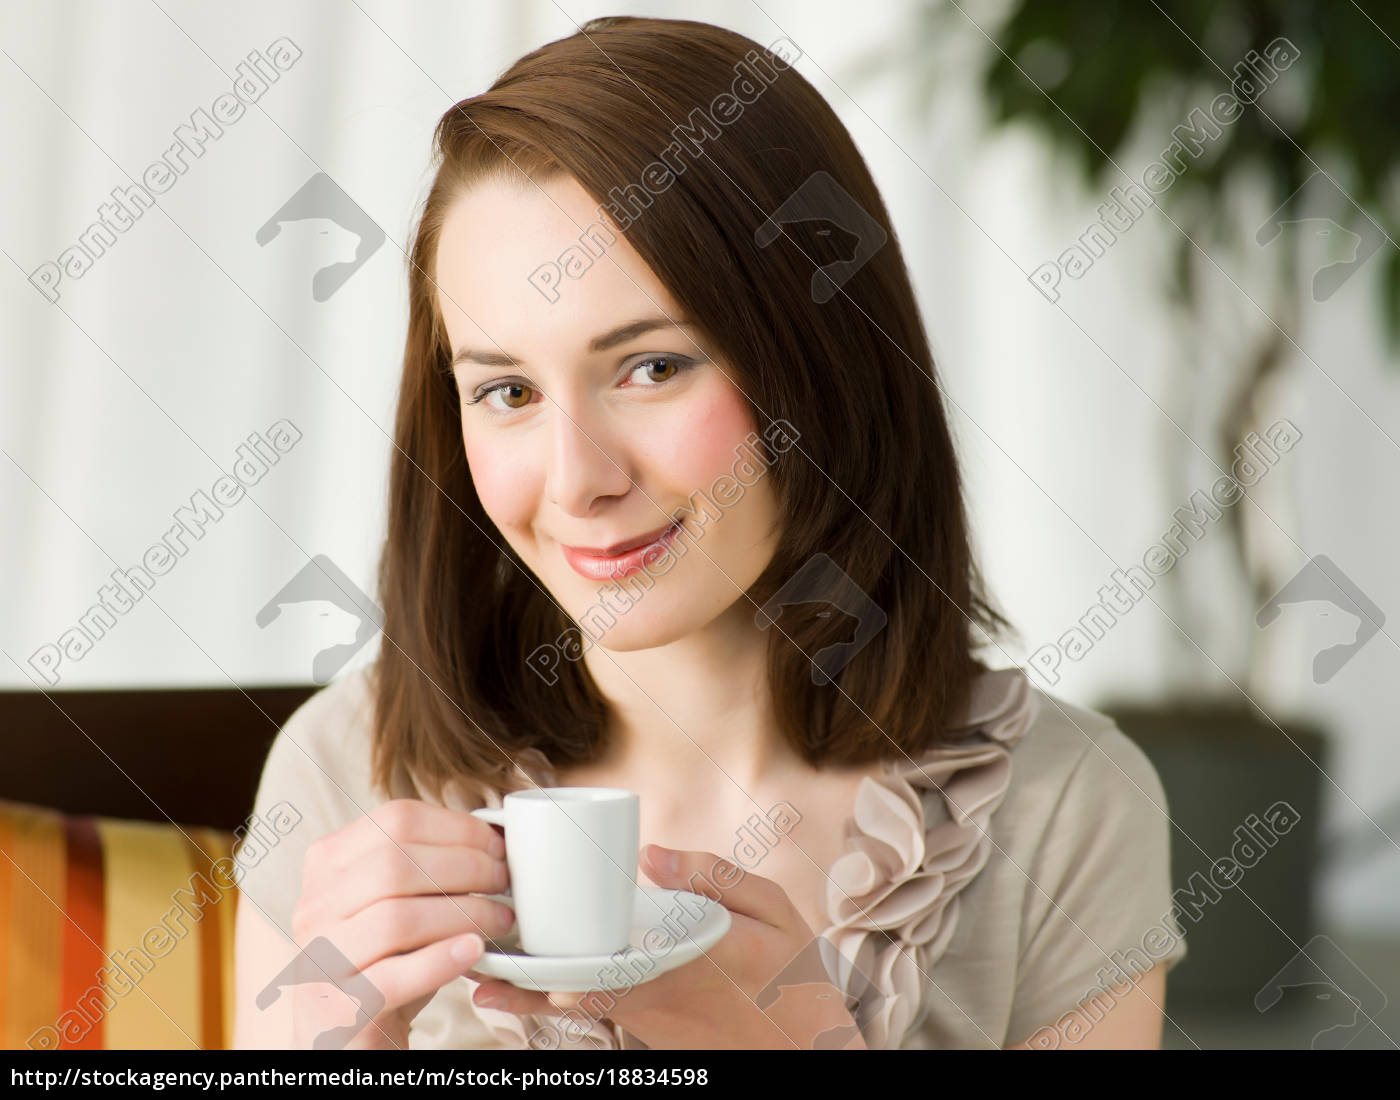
(513, 395)
(661, 368)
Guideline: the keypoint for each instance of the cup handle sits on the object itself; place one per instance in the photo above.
(495, 817)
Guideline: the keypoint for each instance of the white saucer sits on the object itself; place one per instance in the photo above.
(669, 929)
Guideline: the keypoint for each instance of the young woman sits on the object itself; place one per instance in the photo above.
(674, 507)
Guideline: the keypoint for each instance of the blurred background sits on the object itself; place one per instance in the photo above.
(1145, 238)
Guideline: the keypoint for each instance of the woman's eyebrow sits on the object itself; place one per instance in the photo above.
(620, 335)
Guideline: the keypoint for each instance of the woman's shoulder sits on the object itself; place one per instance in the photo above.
(317, 776)
(1078, 865)
(320, 760)
(339, 711)
(1059, 766)
(1076, 761)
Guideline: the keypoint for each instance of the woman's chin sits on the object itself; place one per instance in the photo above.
(656, 620)
(637, 631)
(625, 618)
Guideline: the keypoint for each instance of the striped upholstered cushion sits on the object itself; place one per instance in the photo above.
(116, 934)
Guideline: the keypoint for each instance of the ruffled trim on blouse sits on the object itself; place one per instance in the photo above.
(917, 837)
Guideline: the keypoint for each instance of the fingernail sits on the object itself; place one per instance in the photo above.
(468, 948)
(489, 1000)
(502, 874)
(497, 847)
(664, 860)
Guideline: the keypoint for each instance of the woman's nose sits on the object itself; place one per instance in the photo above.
(584, 464)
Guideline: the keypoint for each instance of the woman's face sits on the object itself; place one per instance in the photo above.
(586, 430)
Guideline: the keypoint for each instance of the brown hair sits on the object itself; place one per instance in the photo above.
(854, 375)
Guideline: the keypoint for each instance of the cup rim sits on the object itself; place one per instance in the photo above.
(572, 794)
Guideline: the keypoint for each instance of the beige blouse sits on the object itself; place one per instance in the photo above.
(987, 889)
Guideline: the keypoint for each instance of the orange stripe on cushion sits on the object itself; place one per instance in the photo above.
(7, 943)
(81, 994)
(154, 961)
(36, 851)
(205, 847)
(229, 924)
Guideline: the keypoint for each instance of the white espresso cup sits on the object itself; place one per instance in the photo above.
(572, 855)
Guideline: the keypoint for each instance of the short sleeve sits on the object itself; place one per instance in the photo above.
(1098, 910)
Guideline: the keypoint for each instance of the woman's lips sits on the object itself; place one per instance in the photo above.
(598, 566)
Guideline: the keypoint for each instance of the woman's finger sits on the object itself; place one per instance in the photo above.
(405, 870)
(394, 925)
(721, 880)
(400, 979)
(511, 998)
(406, 821)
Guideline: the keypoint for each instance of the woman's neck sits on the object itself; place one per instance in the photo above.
(696, 705)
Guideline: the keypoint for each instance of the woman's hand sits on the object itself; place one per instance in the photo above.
(709, 1004)
(395, 893)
